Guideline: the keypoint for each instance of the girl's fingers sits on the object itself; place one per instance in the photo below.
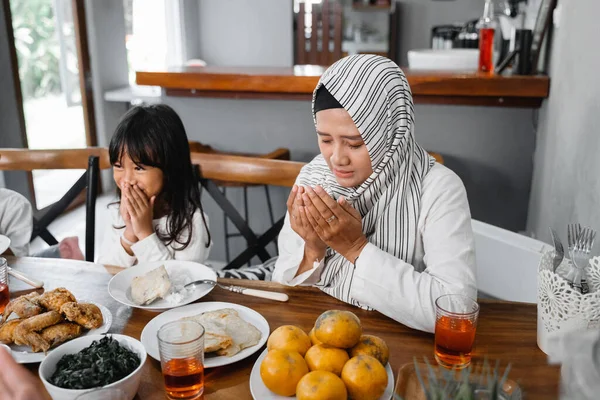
(138, 197)
(132, 212)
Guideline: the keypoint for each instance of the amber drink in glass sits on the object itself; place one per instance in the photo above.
(455, 325)
(181, 346)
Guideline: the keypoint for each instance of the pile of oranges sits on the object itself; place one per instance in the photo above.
(334, 361)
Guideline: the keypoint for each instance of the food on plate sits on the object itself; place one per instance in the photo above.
(7, 330)
(151, 286)
(281, 371)
(338, 329)
(60, 333)
(343, 363)
(26, 333)
(24, 306)
(289, 338)
(42, 324)
(87, 315)
(54, 299)
(365, 378)
(326, 358)
(313, 338)
(225, 332)
(321, 385)
(371, 346)
(100, 364)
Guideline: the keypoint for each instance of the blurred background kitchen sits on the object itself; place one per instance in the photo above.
(528, 158)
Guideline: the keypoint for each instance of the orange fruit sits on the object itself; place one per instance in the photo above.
(321, 385)
(326, 358)
(337, 328)
(313, 338)
(289, 338)
(281, 371)
(365, 378)
(371, 346)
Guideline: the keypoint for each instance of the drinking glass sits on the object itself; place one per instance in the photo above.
(455, 325)
(4, 292)
(181, 347)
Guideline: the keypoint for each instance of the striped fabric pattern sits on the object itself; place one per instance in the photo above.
(376, 94)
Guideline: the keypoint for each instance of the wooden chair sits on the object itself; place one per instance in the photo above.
(438, 157)
(323, 46)
(91, 159)
(278, 154)
(214, 168)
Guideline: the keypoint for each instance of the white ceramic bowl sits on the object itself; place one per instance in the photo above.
(128, 385)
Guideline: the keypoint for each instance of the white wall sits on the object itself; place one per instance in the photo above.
(246, 33)
(566, 181)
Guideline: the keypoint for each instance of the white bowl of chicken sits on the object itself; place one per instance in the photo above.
(94, 362)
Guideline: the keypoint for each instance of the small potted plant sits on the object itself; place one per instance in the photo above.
(476, 382)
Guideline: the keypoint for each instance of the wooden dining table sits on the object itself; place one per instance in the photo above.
(506, 331)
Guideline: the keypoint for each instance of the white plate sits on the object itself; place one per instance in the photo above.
(119, 286)
(260, 392)
(4, 243)
(24, 355)
(150, 341)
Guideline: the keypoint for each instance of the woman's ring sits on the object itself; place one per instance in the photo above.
(330, 219)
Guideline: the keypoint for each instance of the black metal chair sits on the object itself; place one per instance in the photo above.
(43, 218)
(256, 243)
(278, 154)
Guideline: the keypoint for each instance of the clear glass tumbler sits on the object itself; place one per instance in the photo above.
(181, 347)
(455, 326)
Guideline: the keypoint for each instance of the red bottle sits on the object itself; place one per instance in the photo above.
(487, 29)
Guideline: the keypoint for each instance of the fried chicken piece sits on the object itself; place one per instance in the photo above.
(26, 333)
(24, 306)
(60, 333)
(54, 299)
(85, 314)
(7, 330)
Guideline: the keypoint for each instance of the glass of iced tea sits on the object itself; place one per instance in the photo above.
(455, 325)
(4, 292)
(181, 347)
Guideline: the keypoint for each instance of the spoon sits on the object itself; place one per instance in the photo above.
(247, 291)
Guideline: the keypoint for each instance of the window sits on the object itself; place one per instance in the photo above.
(154, 34)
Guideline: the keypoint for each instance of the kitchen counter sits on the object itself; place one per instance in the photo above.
(298, 82)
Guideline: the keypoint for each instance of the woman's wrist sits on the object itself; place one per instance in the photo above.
(314, 254)
(354, 251)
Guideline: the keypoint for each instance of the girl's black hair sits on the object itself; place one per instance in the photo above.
(154, 135)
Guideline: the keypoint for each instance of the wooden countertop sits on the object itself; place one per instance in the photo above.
(506, 331)
(298, 82)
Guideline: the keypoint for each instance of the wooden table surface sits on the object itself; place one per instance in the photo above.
(298, 83)
(506, 331)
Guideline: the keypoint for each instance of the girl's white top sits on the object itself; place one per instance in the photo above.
(151, 248)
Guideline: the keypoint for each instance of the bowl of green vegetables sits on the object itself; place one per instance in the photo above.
(94, 362)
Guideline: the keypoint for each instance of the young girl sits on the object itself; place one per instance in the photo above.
(158, 215)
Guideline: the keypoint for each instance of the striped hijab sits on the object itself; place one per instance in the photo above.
(376, 94)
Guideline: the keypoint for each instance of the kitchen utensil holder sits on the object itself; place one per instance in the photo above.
(562, 308)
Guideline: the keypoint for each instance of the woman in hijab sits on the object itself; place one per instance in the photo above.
(373, 220)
